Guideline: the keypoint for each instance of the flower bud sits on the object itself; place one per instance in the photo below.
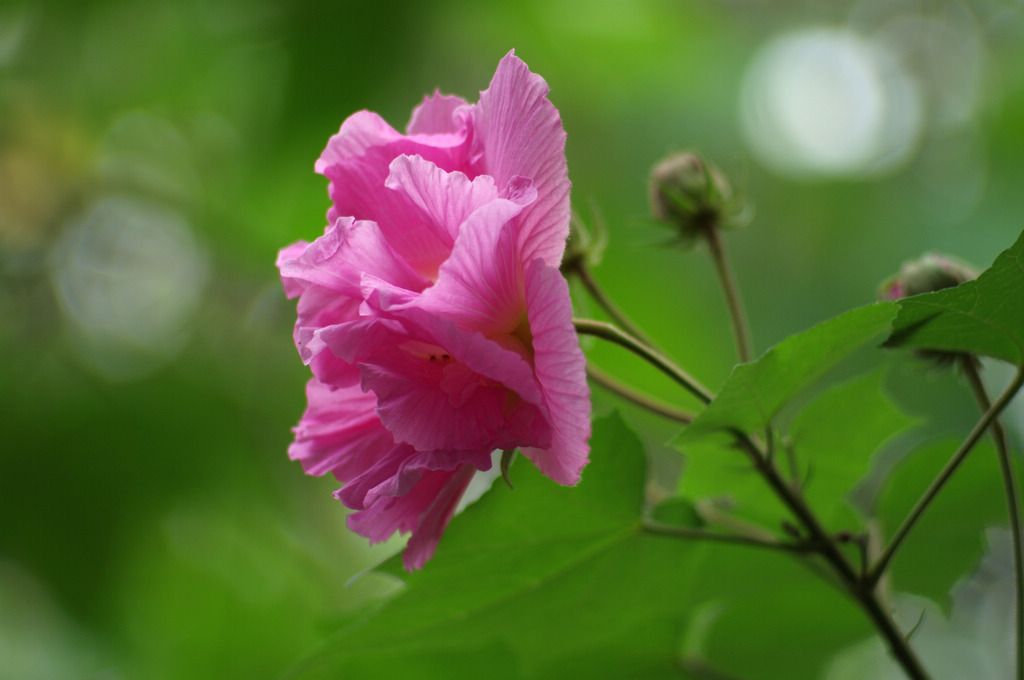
(692, 194)
(582, 249)
(929, 273)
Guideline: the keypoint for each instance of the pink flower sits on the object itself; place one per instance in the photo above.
(432, 312)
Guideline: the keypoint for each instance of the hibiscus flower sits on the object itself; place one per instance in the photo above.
(432, 313)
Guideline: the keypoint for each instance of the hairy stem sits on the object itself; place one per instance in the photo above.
(935, 487)
(629, 394)
(608, 332)
(973, 377)
(732, 294)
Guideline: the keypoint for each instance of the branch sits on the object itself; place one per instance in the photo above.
(922, 504)
(608, 332)
(642, 400)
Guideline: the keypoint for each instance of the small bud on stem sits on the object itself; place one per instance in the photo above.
(691, 194)
(927, 274)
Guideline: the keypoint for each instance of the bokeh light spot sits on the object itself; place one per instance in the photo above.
(828, 103)
(128, 275)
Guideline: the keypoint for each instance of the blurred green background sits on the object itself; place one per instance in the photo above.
(155, 156)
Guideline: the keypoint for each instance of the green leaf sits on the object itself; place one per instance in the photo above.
(726, 489)
(677, 512)
(948, 539)
(985, 316)
(832, 439)
(540, 575)
(792, 630)
(776, 619)
(755, 392)
(835, 437)
(553, 582)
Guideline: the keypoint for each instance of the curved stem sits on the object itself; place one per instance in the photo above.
(973, 377)
(618, 316)
(608, 332)
(732, 294)
(922, 504)
(642, 400)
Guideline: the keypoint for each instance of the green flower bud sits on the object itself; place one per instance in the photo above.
(691, 194)
(582, 249)
(930, 272)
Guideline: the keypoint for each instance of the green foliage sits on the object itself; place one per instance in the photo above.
(831, 446)
(799, 619)
(755, 392)
(540, 575)
(985, 316)
(835, 438)
(722, 482)
(948, 541)
(548, 582)
(831, 442)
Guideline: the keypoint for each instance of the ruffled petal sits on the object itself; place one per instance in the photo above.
(436, 115)
(436, 202)
(358, 492)
(357, 340)
(428, 399)
(561, 372)
(327, 276)
(423, 543)
(480, 287)
(413, 467)
(425, 511)
(472, 349)
(446, 199)
(357, 161)
(337, 260)
(292, 287)
(359, 133)
(519, 133)
(339, 432)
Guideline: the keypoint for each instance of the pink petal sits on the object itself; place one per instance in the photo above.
(292, 287)
(520, 132)
(561, 371)
(337, 260)
(480, 287)
(358, 492)
(357, 160)
(423, 227)
(445, 198)
(470, 348)
(436, 115)
(327, 274)
(327, 367)
(441, 404)
(319, 307)
(425, 511)
(423, 543)
(413, 467)
(359, 133)
(339, 432)
(357, 340)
